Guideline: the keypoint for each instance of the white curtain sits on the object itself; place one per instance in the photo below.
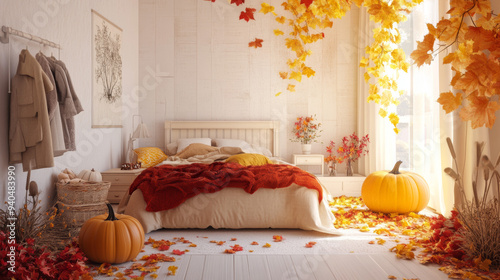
(421, 143)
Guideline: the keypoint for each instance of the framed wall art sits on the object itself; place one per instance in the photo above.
(106, 73)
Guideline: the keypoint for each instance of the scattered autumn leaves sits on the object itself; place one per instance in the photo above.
(429, 239)
(474, 31)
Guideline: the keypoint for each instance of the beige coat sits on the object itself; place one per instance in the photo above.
(56, 127)
(30, 140)
(68, 101)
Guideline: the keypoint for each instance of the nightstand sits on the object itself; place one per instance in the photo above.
(343, 185)
(310, 160)
(120, 182)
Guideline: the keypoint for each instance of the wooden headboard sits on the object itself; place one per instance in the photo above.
(259, 133)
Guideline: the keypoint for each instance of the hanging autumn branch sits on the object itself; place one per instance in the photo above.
(307, 19)
(474, 31)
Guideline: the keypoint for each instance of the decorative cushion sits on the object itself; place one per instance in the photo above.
(196, 149)
(150, 156)
(184, 142)
(250, 159)
(171, 149)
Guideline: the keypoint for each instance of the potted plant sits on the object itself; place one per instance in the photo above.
(306, 131)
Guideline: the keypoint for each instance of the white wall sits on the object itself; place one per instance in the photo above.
(203, 69)
(68, 23)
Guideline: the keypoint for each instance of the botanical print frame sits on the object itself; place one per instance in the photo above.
(106, 73)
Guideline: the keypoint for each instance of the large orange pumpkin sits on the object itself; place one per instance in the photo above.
(110, 238)
(395, 191)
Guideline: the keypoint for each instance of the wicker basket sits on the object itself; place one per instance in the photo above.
(82, 193)
(76, 215)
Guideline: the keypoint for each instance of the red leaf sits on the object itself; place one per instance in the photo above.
(256, 44)
(237, 248)
(178, 252)
(237, 2)
(306, 2)
(164, 247)
(210, 0)
(247, 14)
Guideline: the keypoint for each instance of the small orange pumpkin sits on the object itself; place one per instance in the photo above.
(112, 239)
(395, 191)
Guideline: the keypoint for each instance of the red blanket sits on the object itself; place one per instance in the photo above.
(166, 187)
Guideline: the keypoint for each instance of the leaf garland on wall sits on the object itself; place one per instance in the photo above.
(307, 18)
(474, 31)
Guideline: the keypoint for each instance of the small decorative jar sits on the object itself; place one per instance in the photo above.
(332, 168)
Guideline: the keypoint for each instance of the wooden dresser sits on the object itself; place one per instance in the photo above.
(120, 182)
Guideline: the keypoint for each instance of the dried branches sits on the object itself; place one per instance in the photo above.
(479, 215)
(46, 228)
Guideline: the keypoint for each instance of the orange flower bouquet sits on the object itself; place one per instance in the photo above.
(352, 149)
(332, 159)
(305, 130)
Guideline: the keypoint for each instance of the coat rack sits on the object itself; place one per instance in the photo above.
(4, 38)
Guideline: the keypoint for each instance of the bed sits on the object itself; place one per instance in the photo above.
(293, 206)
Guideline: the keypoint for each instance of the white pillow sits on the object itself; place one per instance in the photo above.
(184, 142)
(262, 150)
(245, 147)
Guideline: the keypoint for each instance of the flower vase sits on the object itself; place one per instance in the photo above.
(332, 168)
(306, 149)
(348, 168)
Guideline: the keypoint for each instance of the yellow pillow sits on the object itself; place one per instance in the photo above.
(249, 159)
(150, 156)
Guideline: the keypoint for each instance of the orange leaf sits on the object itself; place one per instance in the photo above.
(424, 49)
(483, 39)
(284, 75)
(256, 44)
(247, 14)
(480, 111)
(449, 101)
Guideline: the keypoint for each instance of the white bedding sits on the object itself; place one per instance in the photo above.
(292, 207)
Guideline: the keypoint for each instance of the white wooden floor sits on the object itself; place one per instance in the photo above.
(289, 267)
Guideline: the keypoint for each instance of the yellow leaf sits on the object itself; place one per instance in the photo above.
(278, 94)
(382, 113)
(172, 269)
(278, 32)
(293, 44)
(364, 62)
(394, 119)
(266, 8)
(367, 76)
(280, 19)
(291, 88)
(296, 75)
(308, 71)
